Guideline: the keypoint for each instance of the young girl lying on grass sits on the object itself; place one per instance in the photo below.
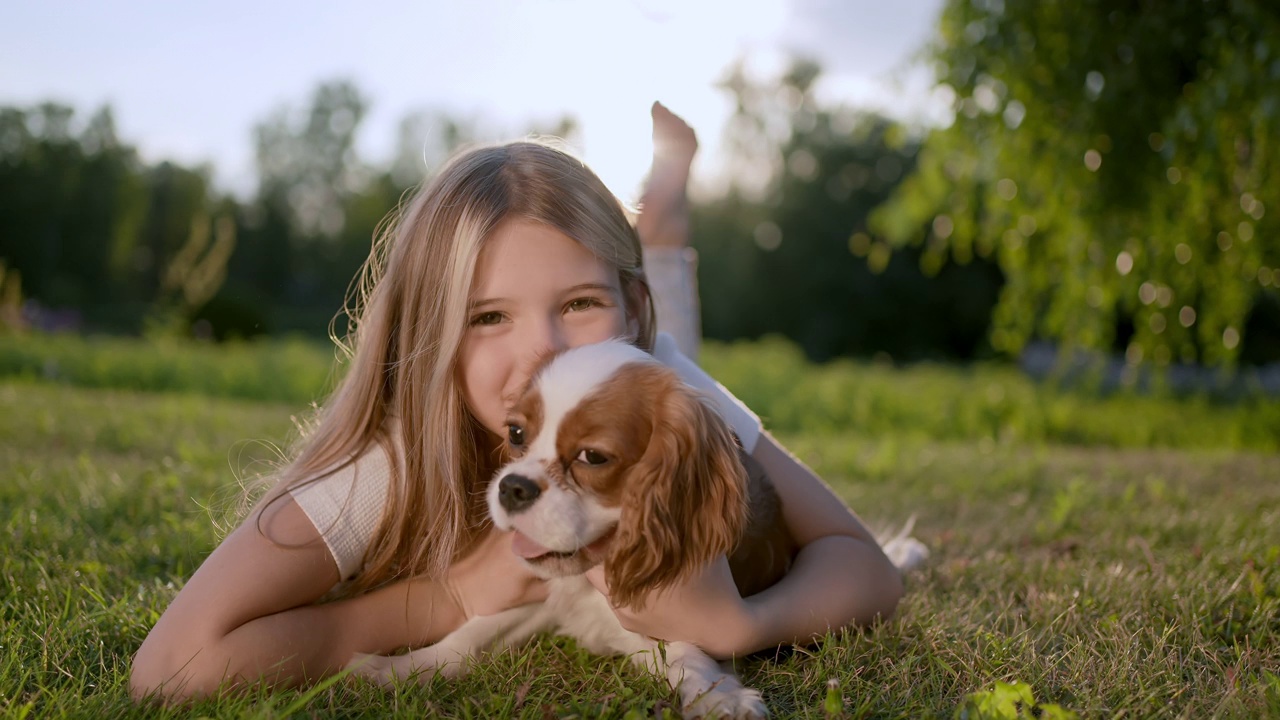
(509, 253)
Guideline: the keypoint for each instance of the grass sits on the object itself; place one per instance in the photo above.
(1113, 574)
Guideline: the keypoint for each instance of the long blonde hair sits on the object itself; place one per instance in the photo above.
(406, 325)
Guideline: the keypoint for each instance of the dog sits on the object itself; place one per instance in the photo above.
(614, 460)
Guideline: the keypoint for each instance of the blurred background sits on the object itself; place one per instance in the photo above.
(950, 180)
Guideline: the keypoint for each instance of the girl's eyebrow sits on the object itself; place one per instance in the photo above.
(603, 287)
(477, 304)
(599, 287)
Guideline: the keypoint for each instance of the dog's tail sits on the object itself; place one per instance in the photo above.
(904, 551)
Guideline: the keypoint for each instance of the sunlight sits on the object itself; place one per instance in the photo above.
(673, 52)
(618, 145)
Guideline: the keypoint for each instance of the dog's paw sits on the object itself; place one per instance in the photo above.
(906, 553)
(422, 665)
(726, 699)
(379, 669)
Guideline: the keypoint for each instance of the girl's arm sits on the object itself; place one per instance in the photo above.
(840, 577)
(248, 613)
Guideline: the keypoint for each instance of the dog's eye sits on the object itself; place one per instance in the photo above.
(515, 435)
(591, 457)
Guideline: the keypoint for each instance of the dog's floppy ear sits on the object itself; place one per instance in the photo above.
(685, 502)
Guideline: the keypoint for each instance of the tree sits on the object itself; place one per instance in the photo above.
(787, 250)
(109, 208)
(178, 197)
(1117, 161)
(308, 162)
(307, 172)
(73, 205)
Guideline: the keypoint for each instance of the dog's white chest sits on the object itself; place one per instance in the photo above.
(574, 608)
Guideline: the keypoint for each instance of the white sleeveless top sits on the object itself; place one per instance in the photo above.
(346, 507)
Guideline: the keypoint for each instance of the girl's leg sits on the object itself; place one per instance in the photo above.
(663, 227)
(664, 206)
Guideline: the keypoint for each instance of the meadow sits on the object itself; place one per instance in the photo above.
(1108, 555)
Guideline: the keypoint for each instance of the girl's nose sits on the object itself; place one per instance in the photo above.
(549, 338)
(537, 343)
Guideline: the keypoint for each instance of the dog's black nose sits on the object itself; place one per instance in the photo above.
(517, 492)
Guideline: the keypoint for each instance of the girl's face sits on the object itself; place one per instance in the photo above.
(536, 291)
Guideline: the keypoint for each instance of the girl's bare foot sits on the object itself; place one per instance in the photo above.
(664, 207)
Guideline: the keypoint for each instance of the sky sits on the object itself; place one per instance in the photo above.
(188, 80)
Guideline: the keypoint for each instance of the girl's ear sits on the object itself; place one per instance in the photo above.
(684, 504)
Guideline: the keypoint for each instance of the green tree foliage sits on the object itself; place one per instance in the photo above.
(308, 172)
(73, 203)
(199, 268)
(1118, 160)
(85, 224)
(307, 161)
(177, 198)
(786, 251)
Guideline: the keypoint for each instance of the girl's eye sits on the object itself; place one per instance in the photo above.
(515, 435)
(591, 457)
(488, 318)
(584, 303)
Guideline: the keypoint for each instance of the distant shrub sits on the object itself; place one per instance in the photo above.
(288, 370)
(232, 317)
(981, 403)
(976, 402)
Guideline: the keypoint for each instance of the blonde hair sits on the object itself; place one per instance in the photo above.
(406, 324)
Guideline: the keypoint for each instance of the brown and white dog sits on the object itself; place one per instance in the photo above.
(614, 459)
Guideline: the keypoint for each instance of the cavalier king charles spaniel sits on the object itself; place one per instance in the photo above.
(613, 459)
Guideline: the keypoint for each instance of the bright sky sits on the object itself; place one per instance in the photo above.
(188, 80)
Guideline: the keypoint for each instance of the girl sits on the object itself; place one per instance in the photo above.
(509, 253)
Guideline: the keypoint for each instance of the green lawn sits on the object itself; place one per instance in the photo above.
(1079, 545)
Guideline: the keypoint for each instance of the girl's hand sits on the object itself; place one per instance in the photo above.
(705, 610)
(491, 578)
(421, 611)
